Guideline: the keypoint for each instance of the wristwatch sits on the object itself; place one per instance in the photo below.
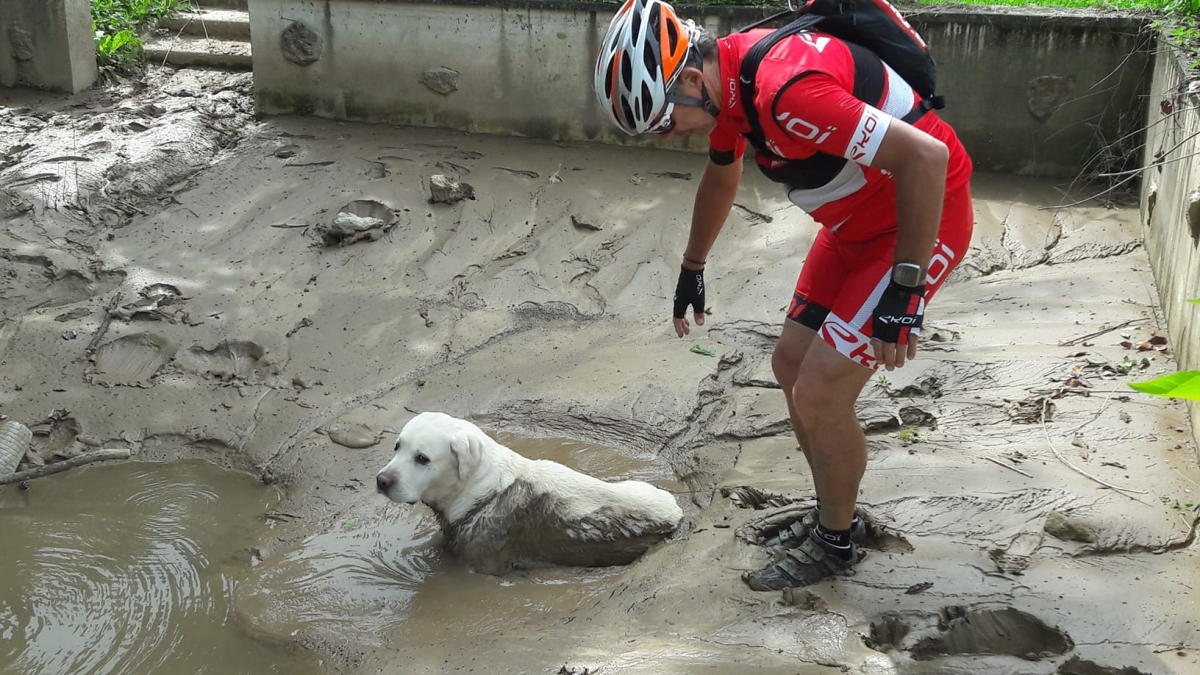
(908, 274)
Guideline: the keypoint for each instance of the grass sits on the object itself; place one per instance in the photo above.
(116, 24)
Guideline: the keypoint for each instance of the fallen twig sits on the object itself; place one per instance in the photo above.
(58, 467)
(1064, 460)
(1009, 467)
(108, 315)
(1073, 341)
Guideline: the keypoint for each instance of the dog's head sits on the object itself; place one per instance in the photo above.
(436, 457)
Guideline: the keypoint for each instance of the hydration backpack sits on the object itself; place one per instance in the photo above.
(879, 32)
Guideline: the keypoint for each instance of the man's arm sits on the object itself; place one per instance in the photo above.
(714, 199)
(917, 162)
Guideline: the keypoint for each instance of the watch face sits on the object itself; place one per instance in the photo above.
(907, 274)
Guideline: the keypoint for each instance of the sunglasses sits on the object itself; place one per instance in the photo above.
(664, 124)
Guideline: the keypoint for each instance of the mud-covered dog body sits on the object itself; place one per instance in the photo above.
(499, 510)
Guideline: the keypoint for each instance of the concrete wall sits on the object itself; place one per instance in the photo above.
(1171, 206)
(47, 44)
(1019, 85)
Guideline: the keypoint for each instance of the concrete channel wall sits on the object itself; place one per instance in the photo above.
(47, 44)
(1171, 206)
(1031, 92)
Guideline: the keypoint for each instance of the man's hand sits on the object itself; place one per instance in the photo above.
(896, 324)
(688, 291)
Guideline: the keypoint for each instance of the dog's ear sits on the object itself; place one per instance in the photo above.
(467, 449)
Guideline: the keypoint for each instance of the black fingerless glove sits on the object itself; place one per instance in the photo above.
(689, 291)
(898, 314)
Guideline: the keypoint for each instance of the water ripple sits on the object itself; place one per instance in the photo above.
(110, 570)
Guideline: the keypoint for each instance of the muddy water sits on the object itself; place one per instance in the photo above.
(131, 568)
(378, 577)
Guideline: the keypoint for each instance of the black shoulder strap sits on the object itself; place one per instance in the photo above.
(747, 78)
(749, 72)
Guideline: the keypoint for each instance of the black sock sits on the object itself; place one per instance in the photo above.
(853, 524)
(838, 540)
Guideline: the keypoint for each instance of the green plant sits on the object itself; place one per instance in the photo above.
(119, 51)
(908, 434)
(115, 25)
(1184, 384)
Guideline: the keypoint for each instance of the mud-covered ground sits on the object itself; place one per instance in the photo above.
(171, 282)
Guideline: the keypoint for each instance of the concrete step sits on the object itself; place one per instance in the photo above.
(221, 24)
(223, 4)
(188, 50)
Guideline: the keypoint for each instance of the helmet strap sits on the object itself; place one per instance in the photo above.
(703, 102)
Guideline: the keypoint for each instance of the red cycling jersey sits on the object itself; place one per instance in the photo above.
(823, 138)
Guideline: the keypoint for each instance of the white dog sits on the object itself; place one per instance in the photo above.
(499, 510)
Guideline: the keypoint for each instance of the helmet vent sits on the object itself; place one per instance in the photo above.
(626, 114)
(626, 74)
(645, 101)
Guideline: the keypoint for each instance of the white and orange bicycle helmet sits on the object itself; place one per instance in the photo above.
(641, 56)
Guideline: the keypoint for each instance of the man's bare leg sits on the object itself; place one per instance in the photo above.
(826, 389)
(790, 350)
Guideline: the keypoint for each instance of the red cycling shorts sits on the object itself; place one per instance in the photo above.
(841, 281)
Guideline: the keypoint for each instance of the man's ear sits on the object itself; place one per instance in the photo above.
(693, 76)
(467, 449)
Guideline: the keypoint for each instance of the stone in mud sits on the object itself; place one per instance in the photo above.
(353, 435)
(442, 80)
(446, 190)
(300, 44)
(362, 219)
(1066, 528)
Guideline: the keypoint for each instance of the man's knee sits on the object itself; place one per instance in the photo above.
(785, 363)
(825, 389)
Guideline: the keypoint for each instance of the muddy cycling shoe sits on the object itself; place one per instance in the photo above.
(808, 563)
(794, 534)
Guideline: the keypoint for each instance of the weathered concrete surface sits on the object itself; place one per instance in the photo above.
(1170, 205)
(47, 44)
(1034, 92)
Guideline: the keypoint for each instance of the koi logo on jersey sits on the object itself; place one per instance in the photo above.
(817, 43)
(803, 129)
(868, 135)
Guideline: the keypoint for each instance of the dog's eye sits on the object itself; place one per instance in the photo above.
(422, 458)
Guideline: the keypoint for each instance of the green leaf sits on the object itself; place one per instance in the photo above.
(1184, 384)
(1195, 300)
(350, 523)
(702, 350)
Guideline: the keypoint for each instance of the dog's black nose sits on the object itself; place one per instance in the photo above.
(384, 481)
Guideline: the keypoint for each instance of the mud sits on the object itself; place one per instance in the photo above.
(539, 309)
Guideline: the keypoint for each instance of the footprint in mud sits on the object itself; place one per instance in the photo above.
(876, 418)
(1078, 666)
(37, 277)
(232, 359)
(961, 631)
(54, 438)
(131, 360)
(783, 524)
